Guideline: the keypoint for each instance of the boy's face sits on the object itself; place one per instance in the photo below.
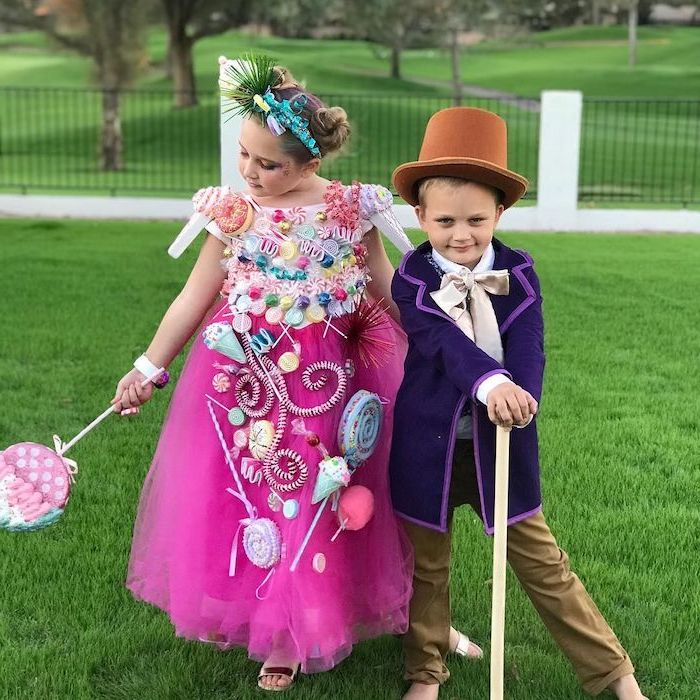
(459, 220)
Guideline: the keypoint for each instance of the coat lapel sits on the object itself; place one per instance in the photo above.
(417, 269)
(521, 295)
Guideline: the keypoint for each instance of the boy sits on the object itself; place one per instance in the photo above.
(471, 307)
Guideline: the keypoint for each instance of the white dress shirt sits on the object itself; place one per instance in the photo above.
(485, 264)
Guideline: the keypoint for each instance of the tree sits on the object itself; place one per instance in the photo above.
(187, 22)
(460, 16)
(544, 14)
(116, 42)
(297, 18)
(110, 32)
(632, 22)
(396, 24)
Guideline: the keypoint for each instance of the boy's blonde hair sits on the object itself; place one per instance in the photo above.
(424, 186)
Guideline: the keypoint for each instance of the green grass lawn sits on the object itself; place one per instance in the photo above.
(631, 151)
(619, 459)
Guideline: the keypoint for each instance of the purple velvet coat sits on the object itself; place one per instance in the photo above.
(442, 372)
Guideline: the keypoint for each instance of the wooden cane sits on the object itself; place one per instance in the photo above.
(500, 535)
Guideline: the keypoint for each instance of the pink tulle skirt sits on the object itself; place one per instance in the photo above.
(188, 523)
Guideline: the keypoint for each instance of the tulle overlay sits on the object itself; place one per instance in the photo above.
(189, 523)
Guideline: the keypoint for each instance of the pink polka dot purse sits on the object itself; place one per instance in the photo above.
(35, 480)
(34, 486)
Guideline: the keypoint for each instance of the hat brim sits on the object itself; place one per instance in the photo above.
(407, 177)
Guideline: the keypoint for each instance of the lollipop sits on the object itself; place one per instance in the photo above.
(262, 542)
(355, 507)
(359, 428)
(220, 337)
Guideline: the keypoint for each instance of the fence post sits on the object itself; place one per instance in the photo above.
(560, 145)
(230, 133)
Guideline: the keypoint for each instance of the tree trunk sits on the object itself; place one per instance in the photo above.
(111, 148)
(456, 68)
(396, 62)
(183, 72)
(595, 12)
(168, 65)
(632, 33)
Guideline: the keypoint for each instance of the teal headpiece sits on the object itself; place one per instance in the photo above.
(248, 90)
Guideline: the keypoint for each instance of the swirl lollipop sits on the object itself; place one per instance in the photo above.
(359, 428)
(262, 542)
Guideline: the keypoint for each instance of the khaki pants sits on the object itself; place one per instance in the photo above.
(543, 570)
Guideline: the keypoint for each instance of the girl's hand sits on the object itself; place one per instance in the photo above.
(510, 405)
(130, 393)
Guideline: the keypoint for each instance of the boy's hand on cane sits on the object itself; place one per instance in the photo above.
(510, 405)
(131, 393)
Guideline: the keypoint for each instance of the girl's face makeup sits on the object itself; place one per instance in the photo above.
(266, 168)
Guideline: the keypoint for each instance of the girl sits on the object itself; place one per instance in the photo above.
(239, 535)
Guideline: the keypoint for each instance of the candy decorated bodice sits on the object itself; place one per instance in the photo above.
(300, 265)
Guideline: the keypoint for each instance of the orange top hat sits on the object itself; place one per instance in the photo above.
(462, 142)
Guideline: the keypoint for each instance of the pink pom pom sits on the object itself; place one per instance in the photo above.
(355, 507)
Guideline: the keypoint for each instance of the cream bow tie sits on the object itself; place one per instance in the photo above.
(463, 297)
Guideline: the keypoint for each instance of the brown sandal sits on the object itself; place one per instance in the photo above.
(284, 671)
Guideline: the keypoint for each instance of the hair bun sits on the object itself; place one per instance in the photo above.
(331, 127)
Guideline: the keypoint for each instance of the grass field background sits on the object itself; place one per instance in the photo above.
(621, 474)
(640, 145)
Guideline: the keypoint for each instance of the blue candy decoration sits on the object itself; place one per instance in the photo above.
(283, 115)
(262, 342)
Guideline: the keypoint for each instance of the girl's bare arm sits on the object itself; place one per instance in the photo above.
(179, 322)
(381, 271)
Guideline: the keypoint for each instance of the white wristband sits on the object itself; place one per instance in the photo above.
(146, 367)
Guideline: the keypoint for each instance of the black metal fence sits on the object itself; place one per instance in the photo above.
(632, 151)
(50, 140)
(640, 151)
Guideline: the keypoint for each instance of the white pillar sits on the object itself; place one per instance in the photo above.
(230, 133)
(560, 144)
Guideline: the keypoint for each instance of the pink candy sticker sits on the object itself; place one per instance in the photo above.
(274, 315)
(240, 438)
(258, 307)
(221, 382)
(242, 323)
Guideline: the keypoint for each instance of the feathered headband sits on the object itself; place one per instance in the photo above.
(247, 90)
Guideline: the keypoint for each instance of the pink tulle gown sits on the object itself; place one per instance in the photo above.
(227, 503)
